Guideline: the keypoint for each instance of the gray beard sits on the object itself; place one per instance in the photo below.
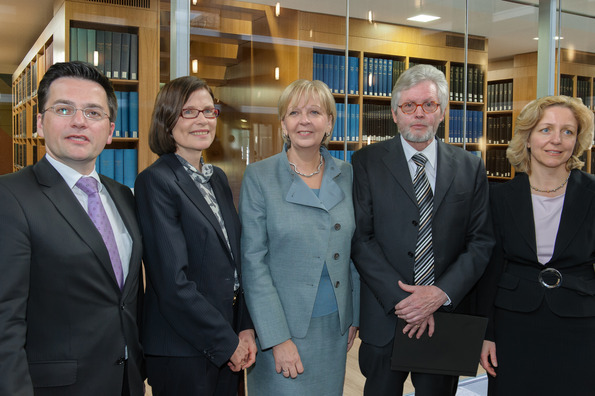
(410, 137)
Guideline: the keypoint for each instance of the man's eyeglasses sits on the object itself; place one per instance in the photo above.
(411, 107)
(194, 113)
(66, 110)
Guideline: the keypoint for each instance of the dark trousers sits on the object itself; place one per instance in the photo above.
(374, 364)
(190, 376)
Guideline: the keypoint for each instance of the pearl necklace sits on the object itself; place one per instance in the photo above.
(553, 190)
(317, 171)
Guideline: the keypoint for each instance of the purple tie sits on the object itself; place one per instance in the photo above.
(101, 221)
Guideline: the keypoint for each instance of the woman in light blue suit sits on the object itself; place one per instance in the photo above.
(301, 289)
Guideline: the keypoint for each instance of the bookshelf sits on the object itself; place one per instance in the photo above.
(519, 74)
(58, 42)
(371, 95)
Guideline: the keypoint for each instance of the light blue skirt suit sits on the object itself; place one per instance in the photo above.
(289, 233)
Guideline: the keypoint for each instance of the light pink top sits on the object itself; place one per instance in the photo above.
(546, 214)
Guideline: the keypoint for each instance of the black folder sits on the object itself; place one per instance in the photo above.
(454, 348)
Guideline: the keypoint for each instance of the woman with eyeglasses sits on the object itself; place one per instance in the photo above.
(197, 335)
(297, 218)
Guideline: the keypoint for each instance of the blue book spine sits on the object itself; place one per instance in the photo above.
(130, 166)
(133, 114)
(336, 73)
(356, 75)
(107, 163)
(118, 129)
(320, 67)
(342, 74)
(357, 120)
(480, 125)
(315, 67)
(327, 61)
(351, 76)
(389, 78)
(384, 66)
(125, 114)
(365, 76)
(119, 165)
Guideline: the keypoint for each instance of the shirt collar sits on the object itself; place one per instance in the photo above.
(70, 175)
(429, 152)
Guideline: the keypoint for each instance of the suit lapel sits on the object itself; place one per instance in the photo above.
(57, 191)
(518, 200)
(446, 168)
(394, 159)
(227, 209)
(577, 203)
(194, 195)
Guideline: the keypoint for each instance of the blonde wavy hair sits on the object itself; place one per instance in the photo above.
(520, 156)
(300, 89)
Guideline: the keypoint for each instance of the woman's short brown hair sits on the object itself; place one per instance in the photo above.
(168, 106)
(519, 154)
(307, 89)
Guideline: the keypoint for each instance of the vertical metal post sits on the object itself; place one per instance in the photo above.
(179, 39)
(346, 124)
(546, 48)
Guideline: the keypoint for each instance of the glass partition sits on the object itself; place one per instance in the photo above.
(249, 51)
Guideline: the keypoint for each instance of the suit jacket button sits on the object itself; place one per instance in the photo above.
(337, 226)
(415, 223)
(120, 361)
(337, 284)
(336, 256)
(410, 254)
(123, 307)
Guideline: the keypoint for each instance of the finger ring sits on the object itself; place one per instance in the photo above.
(285, 371)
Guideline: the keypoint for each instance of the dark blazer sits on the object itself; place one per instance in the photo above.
(64, 323)
(190, 270)
(387, 216)
(512, 276)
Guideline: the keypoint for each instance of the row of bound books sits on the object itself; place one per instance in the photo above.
(127, 118)
(475, 79)
(380, 75)
(500, 96)
(474, 125)
(349, 117)
(118, 164)
(330, 69)
(497, 164)
(378, 123)
(566, 85)
(340, 154)
(117, 52)
(499, 130)
(583, 91)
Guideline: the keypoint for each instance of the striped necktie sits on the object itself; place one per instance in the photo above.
(424, 253)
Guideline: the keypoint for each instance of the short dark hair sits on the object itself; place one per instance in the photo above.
(77, 69)
(169, 103)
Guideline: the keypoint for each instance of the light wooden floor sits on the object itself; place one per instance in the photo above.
(354, 380)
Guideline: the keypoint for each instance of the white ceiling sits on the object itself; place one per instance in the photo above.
(509, 25)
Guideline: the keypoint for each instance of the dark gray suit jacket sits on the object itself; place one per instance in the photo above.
(64, 323)
(386, 217)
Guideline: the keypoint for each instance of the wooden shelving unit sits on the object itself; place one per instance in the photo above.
(577, 79)
(53, 45)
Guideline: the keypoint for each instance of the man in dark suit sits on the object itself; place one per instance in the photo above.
(70, 291)
(423, 233)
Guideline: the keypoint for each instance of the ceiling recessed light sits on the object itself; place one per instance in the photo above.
(423, 18)
(555, 38)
